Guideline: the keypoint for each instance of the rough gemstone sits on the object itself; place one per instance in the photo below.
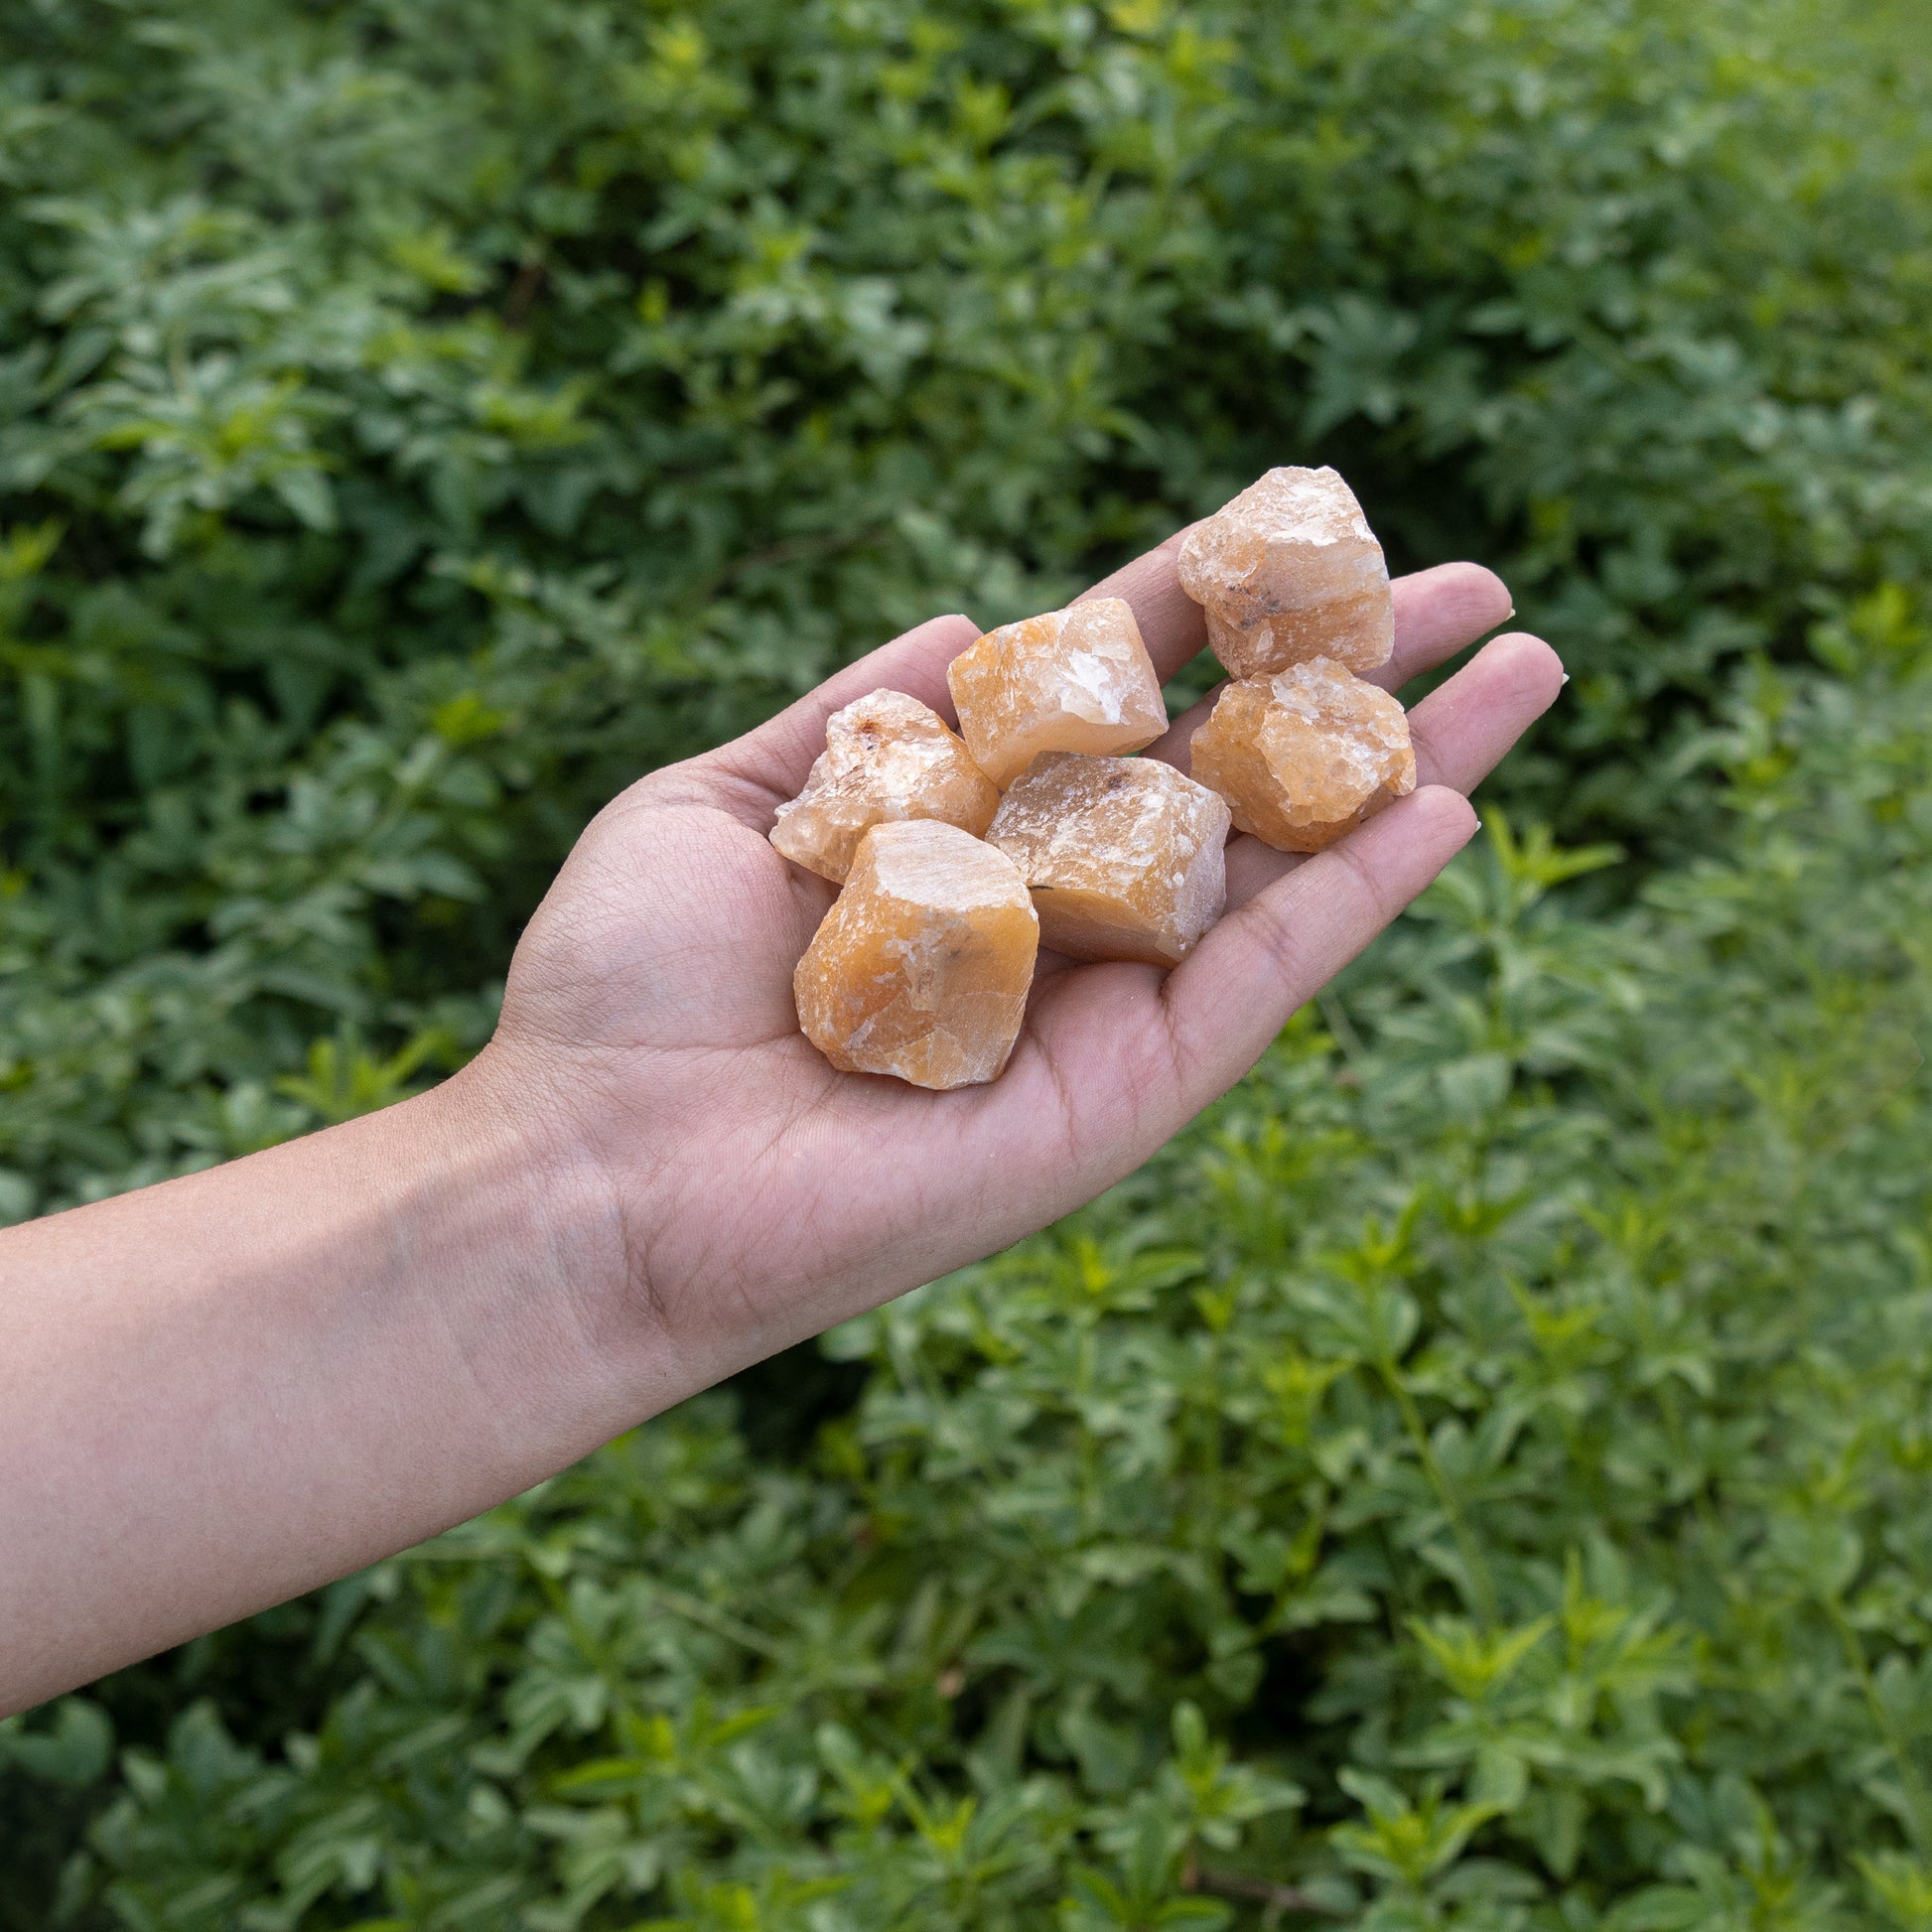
(1306, 755)
(1074, 680)
(886, 757)
(1290, 570)
(921, 967)
(1124, 856)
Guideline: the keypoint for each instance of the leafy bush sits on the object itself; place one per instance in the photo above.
(1475, 1478)
(1478, 1480)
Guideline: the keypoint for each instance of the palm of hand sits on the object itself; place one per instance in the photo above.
(762, 1196)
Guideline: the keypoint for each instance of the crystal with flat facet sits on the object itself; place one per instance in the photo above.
(887, 758)
(1124, 856)
(922, 965)
(1306, 754)
(1288, 571)
(1072, 680)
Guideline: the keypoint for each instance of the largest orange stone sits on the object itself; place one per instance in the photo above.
(1306, 755)
(1290, 570)
(1074, 680)
(922, 966)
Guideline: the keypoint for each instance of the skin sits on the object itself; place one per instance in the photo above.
(224, 1390)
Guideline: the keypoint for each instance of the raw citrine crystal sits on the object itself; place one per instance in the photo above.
(1123, 855)
(886, 757)
(1306, 755)
(1074, 680)
(1289, 571)
(921, 967)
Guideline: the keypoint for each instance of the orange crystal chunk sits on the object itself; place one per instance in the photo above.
(922, 965)
(1306, 755)
(887, 758)
(1123, 855)
(1290, 570)
(1074, 680)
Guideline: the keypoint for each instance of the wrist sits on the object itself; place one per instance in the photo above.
(543, 1208)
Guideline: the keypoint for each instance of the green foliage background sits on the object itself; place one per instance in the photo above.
(1479, 1477)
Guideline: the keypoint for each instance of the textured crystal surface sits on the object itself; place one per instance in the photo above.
(887, 758)
(1290, 570)
(1306, 754)
(1074, 680)
(1123, 855)
(921, 967)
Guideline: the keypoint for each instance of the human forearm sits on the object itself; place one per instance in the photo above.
(219, 1392)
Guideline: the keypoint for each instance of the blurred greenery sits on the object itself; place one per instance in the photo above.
(1481, 1477)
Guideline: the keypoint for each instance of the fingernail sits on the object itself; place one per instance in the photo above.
(1565, 677)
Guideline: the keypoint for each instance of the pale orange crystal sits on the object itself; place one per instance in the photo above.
(1123, 855)
(922, 965)
(887, 758)
(1074, 680)
(1306, 755)
(1290, 570)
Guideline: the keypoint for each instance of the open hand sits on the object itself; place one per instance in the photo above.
(757, 1196)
